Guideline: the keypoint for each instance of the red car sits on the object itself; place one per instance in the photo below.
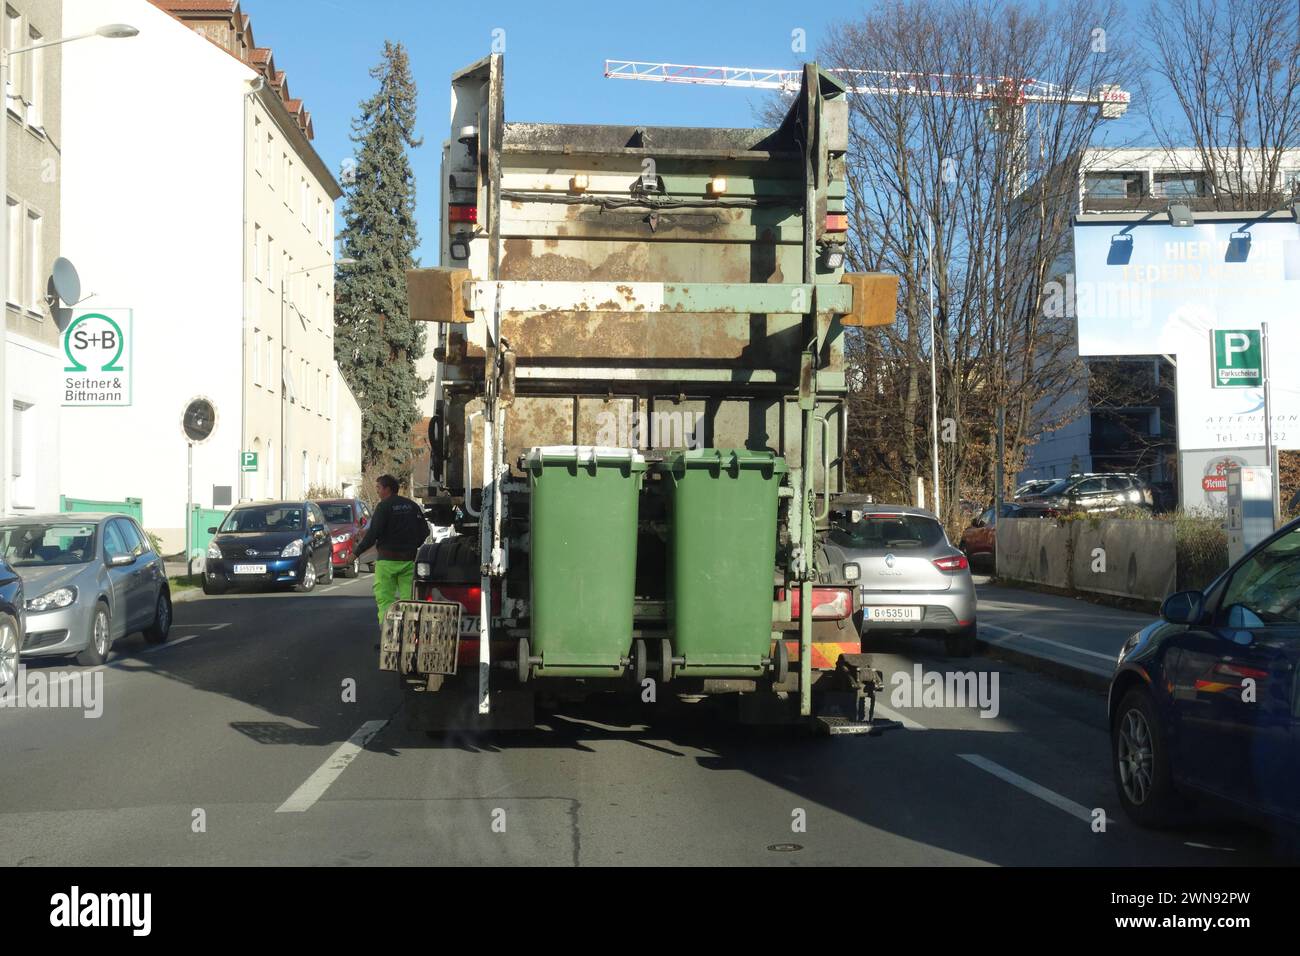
(979, 541)
(347, 519)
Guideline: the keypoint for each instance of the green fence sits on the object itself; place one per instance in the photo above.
(131, 506)
(201, 519)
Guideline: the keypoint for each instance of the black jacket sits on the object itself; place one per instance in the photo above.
(397, 529)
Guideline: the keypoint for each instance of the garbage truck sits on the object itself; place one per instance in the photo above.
(638, 418)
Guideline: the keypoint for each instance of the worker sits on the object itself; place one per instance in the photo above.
(397, 529)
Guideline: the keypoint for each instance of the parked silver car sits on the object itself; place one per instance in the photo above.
(88, 580)
(909, 578)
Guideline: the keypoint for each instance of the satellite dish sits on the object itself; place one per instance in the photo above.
(199, 420)
(67, 284)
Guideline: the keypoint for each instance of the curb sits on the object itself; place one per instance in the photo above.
(1074, 676)
(189, 594)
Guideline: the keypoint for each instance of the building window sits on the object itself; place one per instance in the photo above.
(15, 226)
(1110, 185)
(269, 161)
(23, 454)
(258, 155)
(270, 351)
(270, 261)
(268, 485)
(35, 80)
(1180, 185)
(257, 360)
(13, 41)
(35, 269)
(305, 473)
(305, 203)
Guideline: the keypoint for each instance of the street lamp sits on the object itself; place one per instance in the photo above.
(112, 31)
(284, 398)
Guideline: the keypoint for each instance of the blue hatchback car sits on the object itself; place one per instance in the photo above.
(267, 544)
(1206, 701)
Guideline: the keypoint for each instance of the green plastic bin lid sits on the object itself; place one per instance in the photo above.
(724, 458)
(583, 455)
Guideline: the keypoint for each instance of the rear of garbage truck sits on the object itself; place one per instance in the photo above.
(637, 417)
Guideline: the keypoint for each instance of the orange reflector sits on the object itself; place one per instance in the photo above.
(837, 222)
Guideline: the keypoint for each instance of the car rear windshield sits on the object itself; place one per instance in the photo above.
(337, 514)
(42, 545)
(1058, 487)
(887, 531)
(264, 518)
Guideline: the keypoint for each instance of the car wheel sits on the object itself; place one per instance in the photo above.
(211, 587)
(371, 567)
(329, 571)
(1140, 761)
(308, 579)
(96, 651)
(961, 644)
(156, 632)
(352, 570)
(10, 650)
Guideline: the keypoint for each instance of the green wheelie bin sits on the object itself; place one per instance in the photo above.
(722, 556)
(583, 557)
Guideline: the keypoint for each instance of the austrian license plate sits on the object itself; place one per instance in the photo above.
(250, 569)
(893, 613)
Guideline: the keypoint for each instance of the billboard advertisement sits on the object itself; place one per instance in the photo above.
(1203, 475)
(1199, 294)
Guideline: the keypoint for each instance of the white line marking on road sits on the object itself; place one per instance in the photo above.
(213, 627)
(907, 722)
(1043, 640)
(1027, 785)
(1206, 846)
(171, 643)
(314, 787)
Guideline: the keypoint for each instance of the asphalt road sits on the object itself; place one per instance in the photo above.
(234, 744)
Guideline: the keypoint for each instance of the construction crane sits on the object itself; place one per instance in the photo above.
(1109, 99)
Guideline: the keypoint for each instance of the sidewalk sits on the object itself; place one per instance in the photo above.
(1067, 634)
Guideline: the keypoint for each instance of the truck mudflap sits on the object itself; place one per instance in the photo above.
(847, 702)
(420, 638)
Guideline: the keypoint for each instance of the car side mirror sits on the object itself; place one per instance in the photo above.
(121, 560)
(212, 531)
(318, 529)
(1184, 607)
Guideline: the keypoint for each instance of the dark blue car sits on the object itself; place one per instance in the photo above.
(1206, 701)
(269, 543)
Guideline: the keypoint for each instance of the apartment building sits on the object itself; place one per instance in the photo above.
(196, 200)
(31, 399)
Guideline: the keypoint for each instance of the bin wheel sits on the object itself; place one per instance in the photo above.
(524, 662)
(639, 664)
(781, 663)
(666, 660)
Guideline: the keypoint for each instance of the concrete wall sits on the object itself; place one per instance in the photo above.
(1136, 559)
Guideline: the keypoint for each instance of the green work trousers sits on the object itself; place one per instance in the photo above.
(393, 582)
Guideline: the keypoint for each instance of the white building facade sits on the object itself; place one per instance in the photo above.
(193, 198)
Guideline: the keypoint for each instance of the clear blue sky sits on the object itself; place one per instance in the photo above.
(554, 53)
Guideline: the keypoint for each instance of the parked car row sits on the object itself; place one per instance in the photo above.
(285, 543)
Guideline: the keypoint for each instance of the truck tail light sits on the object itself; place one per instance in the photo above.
(828, 604)
(837, 222)
(955, 563)
(460, 213)
(468, 596)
